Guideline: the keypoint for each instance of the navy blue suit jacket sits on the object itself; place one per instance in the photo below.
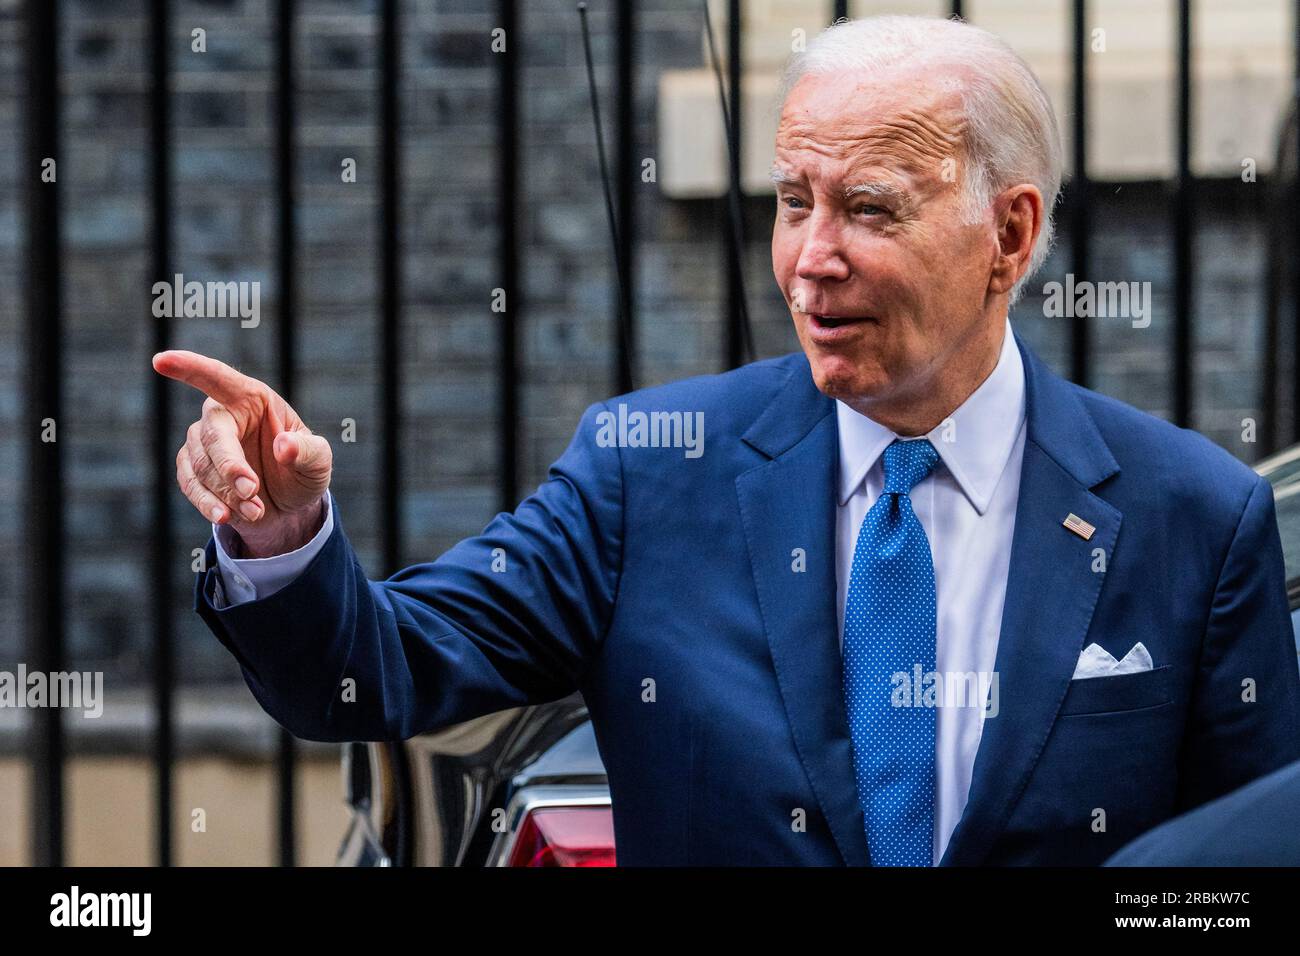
(1257, 825)
(663, 588)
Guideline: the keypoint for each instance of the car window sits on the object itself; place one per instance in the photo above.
(1282, 471)
(1288, 523)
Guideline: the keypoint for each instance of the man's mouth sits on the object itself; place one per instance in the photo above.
(836, 321)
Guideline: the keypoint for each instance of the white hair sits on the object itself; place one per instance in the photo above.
(1011, 135)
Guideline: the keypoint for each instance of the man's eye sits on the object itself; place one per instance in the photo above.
(873, 210)
(789, 199)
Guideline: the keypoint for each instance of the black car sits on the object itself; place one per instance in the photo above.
(522, 787)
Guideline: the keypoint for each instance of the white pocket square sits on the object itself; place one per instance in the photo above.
(1096, 661)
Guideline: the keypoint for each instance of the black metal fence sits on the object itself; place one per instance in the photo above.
(44, 395)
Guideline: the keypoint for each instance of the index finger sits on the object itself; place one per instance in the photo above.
(208, 375)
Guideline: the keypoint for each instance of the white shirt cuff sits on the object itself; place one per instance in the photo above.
(240, 580)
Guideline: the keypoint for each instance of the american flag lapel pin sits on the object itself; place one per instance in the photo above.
(1078, 526)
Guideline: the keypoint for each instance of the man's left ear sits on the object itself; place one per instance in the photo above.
(1019, 218)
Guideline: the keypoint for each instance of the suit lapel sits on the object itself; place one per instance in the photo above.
(787, 506)
(1052, 590)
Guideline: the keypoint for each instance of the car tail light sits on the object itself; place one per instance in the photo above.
(565, 836)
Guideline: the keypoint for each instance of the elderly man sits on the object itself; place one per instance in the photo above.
(919, 601)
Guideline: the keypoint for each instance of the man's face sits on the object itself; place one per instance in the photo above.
(869, 229)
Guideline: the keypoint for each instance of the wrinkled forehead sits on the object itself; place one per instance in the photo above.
(906, 118)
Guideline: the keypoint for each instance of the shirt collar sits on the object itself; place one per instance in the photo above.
(974, 442)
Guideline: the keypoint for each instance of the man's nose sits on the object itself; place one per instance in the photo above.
(822, 255)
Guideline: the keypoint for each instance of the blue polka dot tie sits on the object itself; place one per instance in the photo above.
(889, 631)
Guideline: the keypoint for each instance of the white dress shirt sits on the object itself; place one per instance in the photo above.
(239, 580)
(967, 506)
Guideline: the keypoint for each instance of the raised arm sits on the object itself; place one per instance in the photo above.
(509, 617)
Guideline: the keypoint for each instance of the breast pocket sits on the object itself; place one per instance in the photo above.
(1118, 693)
